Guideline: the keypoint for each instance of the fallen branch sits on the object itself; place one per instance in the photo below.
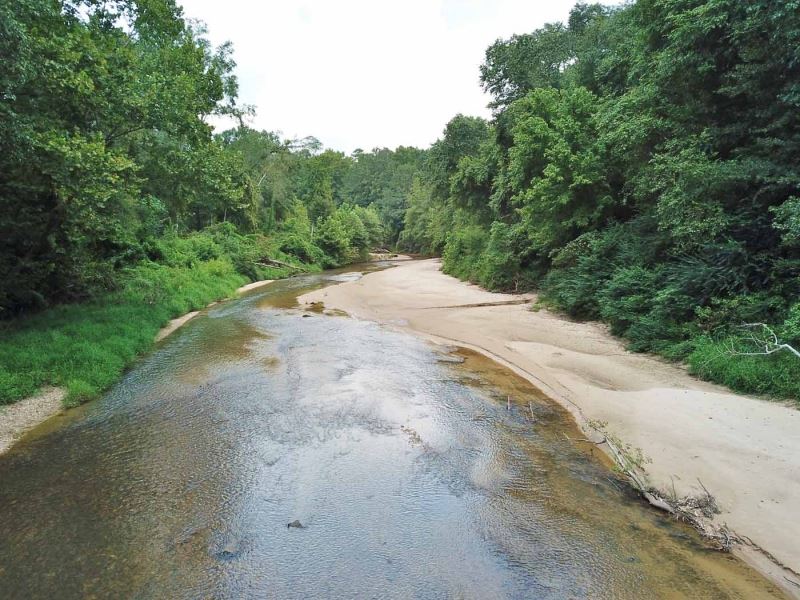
(762, 336)
(271, 262)
(587, 440)
(482, 304)
(696, 511)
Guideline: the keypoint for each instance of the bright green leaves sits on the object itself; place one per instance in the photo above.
(347, 234)
(787, 221)
(691, 190)
(555, 177)
(526, 62)
(103, 104)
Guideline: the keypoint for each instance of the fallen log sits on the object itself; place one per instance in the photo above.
(271, 262)
(697, 511)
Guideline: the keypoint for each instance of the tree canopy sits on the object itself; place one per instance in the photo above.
(105, 148)
(641, 168)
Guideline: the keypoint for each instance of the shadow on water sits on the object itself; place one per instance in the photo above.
(409, 476)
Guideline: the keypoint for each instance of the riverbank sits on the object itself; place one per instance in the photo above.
(179, 322)
(25, 414)
(744, 450)
(332, 422)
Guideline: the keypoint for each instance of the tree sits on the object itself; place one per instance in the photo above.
(525, 62)
(94, 90)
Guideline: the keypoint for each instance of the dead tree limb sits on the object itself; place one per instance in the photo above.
(271, 262)
(765, 339)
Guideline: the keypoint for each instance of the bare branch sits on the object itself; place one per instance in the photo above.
(762, 336)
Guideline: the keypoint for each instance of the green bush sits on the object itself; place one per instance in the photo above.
(300, 247)
(86, 347)
(499, 265)
(343, 237)
(463, 251)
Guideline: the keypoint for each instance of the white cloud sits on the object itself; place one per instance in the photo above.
(365, 73)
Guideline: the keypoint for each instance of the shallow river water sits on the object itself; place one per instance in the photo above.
(409, 473)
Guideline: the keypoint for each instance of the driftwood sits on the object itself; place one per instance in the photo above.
(271, 262)
(764, 339)
(694, 510)
(482, 304)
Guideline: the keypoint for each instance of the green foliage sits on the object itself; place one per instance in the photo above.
(463, 250)
(426, 222)
(526, 62)
(775, 374)
(100, 95)
(463, 138)
(383, 179)
(554, 176)
(787, 221)
(790, 330)
(86, 347)
(641, 168)
(344, 237)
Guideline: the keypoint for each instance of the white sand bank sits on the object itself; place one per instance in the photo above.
(746, 451)
(254, 285)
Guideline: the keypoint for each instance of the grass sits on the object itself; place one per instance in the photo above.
(86, 347)
(708, 358)
(774, 375)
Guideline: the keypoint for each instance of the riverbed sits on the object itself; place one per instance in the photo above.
(408, 470)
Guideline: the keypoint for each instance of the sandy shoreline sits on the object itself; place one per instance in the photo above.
(745, 450)
(18, 418)
(254, 285)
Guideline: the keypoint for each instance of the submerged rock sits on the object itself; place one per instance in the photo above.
(449, 358)
(296, 524)
(229, 551)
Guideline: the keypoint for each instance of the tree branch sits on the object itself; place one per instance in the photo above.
(762, 336)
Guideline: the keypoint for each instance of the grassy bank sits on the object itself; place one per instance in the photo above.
(85, 347)
(774, 375)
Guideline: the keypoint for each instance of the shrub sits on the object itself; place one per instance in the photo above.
(85, 347)
(463, 251)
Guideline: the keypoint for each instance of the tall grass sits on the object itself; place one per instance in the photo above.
(775, 375)
(86, 347)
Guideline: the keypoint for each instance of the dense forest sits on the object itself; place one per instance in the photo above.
(640, 168)
(119, 205)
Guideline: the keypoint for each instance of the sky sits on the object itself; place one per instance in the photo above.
(365, 73)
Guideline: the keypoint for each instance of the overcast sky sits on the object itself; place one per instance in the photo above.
(365, 73)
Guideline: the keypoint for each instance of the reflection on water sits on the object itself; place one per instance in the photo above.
(410, 476)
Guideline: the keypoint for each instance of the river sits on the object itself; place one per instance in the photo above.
(408, 471)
